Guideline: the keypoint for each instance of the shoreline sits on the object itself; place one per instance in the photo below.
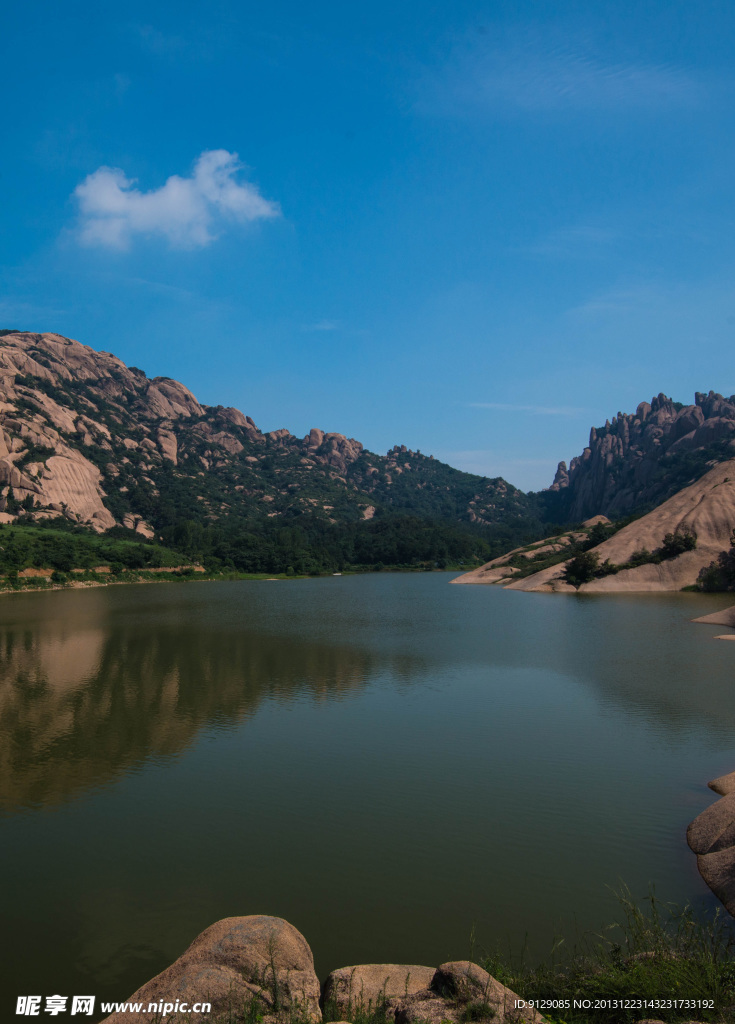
(46, 587)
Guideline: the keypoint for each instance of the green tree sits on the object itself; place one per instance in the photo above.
(581, 569)
(720, 574)
(675, 544)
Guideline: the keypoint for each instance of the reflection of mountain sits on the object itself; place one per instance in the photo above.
(82, 701)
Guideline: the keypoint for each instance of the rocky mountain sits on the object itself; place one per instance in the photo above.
(704, 512)
(641, 459)
(86, 438)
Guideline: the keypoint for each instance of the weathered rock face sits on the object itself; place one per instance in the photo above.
(367, 986)
(86, 437)
(459, 991)
(234, 962)
(621, 469)
(712, 837)
(706, 507)
(262, 964)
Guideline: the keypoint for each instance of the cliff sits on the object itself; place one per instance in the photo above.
(643, 458)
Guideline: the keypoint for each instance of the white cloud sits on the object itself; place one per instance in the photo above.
(185, 211)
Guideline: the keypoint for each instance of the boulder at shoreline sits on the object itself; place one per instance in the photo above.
(241, 964)
(233, 962)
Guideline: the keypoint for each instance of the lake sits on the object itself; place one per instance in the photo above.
(407, 771)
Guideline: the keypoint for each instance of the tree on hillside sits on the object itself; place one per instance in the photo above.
(720, 574)
(581, 569)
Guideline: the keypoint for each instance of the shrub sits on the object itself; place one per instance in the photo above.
(720, 574)
(581, 569)
(675, 544)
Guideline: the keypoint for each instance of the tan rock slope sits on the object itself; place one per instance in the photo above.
(706, 507)
(725, 617)
(499, 570)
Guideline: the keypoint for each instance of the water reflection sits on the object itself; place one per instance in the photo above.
(90, 694)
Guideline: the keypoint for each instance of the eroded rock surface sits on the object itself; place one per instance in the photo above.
(127, 443)
(369, 985)
(234, 962)
(712, 837)
(617, 471)
(706, 507)
(461, 990)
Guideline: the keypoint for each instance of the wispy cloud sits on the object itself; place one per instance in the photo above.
(322, 325)
(578, 241)
(185, 211)
(534, 74)
(159, 43)
(535, 410)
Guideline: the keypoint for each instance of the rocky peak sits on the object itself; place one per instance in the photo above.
(619, 469)
(561, 479)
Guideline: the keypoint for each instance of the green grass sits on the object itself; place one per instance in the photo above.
(655, 951)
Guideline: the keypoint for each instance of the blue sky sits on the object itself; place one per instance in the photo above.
(474, 229)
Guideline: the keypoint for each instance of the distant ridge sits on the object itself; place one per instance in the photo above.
(86, 438)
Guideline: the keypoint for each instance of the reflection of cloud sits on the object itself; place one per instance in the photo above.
(534, 75)
(535, 410)
(183, 210)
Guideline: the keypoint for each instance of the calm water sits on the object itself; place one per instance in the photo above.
(387, 761)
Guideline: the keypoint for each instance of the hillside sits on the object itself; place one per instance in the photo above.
(86, 438)
(639, 460)
(89, 441)
(635, 558)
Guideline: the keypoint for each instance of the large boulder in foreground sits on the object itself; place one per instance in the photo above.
(367, 986)
(712, 837)
(234, 962)
(461, 991)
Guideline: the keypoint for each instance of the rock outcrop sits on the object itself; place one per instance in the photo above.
(262, 966)
(84, 436)
(706, 507)
(636, 459)
(235, 962)
(461, 991)
(367, 986)
(725, 617)
(499, 570)
(711, 836)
